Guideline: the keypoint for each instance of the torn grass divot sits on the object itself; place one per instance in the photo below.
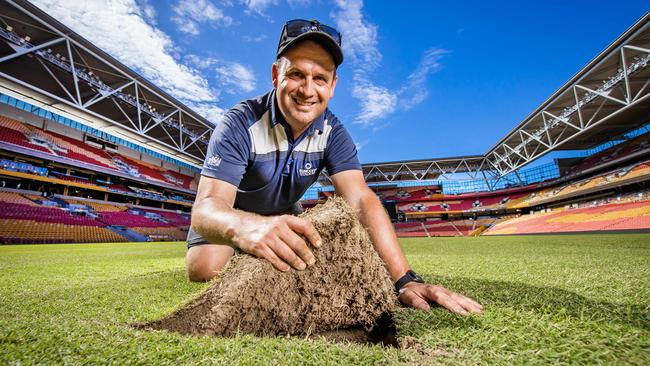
(348, 287)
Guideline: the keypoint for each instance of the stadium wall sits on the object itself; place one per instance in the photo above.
(20, 115)
(151, 160)
(64, 130)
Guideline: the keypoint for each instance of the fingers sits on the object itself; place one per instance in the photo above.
(285, 253)
(413, 299)
(305, 227)
(452, 301)
(450, 304)
(270, 256)
(418, 295)
(298, 246)
(277, 239)
(467, 303)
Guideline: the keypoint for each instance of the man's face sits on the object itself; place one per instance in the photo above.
(304, 82)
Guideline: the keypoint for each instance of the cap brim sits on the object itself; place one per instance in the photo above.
(321, 38)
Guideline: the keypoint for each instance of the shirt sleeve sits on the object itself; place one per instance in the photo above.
(228, 151)
(341, 152)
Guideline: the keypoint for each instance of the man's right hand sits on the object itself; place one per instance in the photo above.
(277, 239)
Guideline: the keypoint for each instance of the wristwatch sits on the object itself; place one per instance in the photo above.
(410, 276)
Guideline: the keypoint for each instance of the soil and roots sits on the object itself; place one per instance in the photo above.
(348, 288)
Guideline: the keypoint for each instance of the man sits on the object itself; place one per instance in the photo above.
(267, 151)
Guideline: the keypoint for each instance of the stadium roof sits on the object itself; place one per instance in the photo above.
(605, 99)
(423, 169)
(62, 70)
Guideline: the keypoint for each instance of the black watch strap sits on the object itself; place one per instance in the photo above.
(410, 276)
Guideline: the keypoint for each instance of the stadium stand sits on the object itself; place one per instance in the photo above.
(439, 227)
(38, 232)
(460, 203)
(431, 209)
(620, 176)
(624, 213)
(32, 218)
(89, 183)
(52, 143)
(639, 145)
(409, 194)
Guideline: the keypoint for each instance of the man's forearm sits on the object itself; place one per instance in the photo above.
(216, 221)
(278, 239)
(373, 216)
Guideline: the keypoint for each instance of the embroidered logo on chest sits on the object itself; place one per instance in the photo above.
(307, 170)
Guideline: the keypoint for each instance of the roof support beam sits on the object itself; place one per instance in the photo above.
(75, 79)
(58, 82)
(159, 121)
(579, 107)
(124, 113)
(603, 95)
(101, 96)
(628, 97)
(24, 50)
(195, 139)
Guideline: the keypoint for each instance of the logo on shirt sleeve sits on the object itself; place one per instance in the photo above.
(307, 170)
(213, 161)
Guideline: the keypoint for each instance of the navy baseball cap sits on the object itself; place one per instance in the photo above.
(297, 30)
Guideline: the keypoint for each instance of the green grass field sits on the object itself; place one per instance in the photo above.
(548, 299)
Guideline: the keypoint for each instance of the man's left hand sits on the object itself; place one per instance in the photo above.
(418, 295)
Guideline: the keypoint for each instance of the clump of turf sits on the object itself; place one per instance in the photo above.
(348, 286)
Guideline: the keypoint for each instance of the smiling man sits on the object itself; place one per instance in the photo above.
(267, 151)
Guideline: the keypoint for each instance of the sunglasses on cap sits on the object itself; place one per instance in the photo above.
(296, 27)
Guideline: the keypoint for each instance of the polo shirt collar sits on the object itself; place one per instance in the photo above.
(276, 117)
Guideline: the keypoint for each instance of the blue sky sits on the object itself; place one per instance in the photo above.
(421, 79)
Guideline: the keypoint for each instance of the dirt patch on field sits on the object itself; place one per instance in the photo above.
(346, 295)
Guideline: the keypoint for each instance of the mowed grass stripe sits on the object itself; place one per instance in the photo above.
(548, 299)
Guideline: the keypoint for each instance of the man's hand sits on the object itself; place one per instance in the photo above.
(418, 295)
(277, 240)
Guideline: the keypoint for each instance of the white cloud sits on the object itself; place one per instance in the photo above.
(148, 10)
(360, 145)
(377, 101)
(359, 37)
(297, 3)
(236, 75)
(199, 62)
(414, 91)
(256, 39)
(258, 6)
(208, 110)
(119, 28)
(189, 14)
(232, 76)
(360, 48)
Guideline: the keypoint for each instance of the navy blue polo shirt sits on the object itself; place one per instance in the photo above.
(252, 147)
